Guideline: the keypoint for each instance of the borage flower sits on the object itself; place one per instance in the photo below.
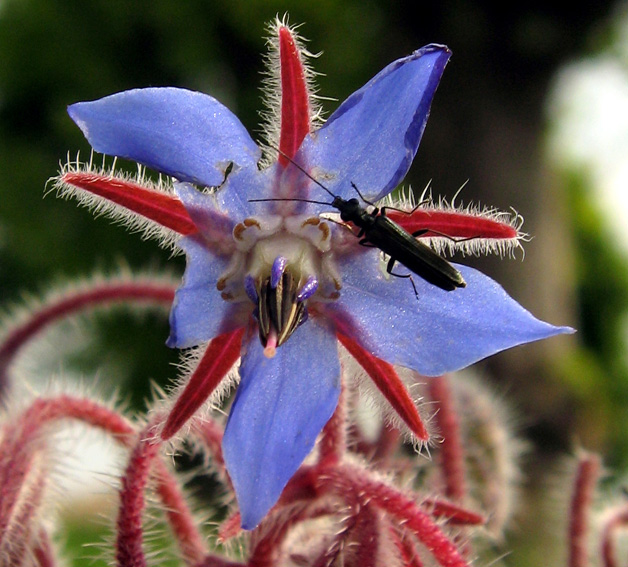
(278, 284)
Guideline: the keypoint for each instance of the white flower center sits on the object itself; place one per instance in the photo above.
(280, 263)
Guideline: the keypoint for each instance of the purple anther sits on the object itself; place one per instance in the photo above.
(308, 290)
(279, 265)
(249, 288)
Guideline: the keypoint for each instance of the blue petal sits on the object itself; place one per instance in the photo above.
(440, 331)
(199, 313)
(280, 407)
(373, 137)
(213, 210)
(242, 185)
(182, 133)
(205, 213)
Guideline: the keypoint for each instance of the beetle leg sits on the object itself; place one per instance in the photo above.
(455, 240)
(405, 212)
(420, 232)
(389, 269)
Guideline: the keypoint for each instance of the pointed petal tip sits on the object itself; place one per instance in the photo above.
(438, 49)
(443, 331)
(433, 47)
(71, 108)
(251, 518)
(385, 120)
(565, 330)
(540, 330)
(177, 132)
(167, 430)
(74, 112)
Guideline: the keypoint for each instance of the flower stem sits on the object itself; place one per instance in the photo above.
(333, 440)
(129, 541)
(43, 552)
(584, 488)
(190, 541)
(72, 302)
(618, 520)
(451, 453)
(402, 508)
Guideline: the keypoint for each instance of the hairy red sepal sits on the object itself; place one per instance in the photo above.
(390, 385)
(162, 208)
(295, 106)
(220, 356)
(455, 224)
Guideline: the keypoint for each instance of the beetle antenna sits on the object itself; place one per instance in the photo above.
(302, 170)
(362, 196)
(293, 199)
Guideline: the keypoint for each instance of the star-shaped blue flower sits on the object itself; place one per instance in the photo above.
(277, 284)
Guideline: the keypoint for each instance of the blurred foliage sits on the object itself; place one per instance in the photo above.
(599, 375)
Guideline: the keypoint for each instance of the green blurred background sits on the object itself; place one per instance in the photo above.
(500, 120)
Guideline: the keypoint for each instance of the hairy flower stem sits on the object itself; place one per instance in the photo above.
(584, 487)
(264, 550)
(190, 541)
(15, 540)
(210, 434)
(407, 550)
(212, 560)
(43, 552)
(22, 441)
(25, 468)
(617, 521)
(367, 531)
(21, 444)
(129, 541)
(71, 303)
(230, 527)
(451, 451)
(403, 509)
(386, 445)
